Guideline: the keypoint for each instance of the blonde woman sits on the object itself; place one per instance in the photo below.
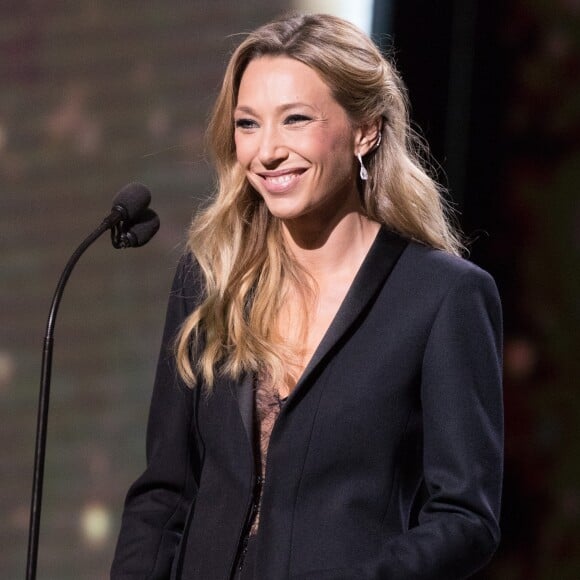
(327, 403)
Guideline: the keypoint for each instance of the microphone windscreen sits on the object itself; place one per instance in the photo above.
(140, 233)
(133, 199)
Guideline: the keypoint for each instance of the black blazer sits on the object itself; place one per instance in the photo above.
(385, 462)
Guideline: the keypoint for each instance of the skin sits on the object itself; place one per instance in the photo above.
(298, 149)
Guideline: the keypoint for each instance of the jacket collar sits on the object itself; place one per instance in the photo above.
(371, 277)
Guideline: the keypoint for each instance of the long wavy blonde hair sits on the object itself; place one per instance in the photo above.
(238, 244)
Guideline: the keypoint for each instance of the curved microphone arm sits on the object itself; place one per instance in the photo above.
(43, 401)
(128, 204)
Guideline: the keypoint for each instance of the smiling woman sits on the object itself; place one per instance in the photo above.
(327, 403)
(297, 145)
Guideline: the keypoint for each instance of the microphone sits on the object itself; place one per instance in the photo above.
(132, 224)
(128, 204)
(128, 209)
(142, 231)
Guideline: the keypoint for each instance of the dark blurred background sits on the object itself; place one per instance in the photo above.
(95, 94)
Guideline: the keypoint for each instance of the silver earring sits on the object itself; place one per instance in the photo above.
(377, 144)
(364, 174)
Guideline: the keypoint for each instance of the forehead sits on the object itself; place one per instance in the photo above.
(284, 80)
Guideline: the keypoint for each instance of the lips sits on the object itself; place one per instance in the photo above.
(282, 180)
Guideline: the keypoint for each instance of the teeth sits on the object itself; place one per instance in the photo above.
(281, 179)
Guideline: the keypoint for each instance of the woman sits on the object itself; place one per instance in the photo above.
(332, 408)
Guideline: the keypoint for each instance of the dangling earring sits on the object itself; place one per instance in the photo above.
(364, 174)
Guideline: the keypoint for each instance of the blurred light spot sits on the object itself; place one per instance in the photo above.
(359, 13)
(96, 524)
(72, 122)
(7, 370)
(520, 358)
(88, 139)
(158, 123)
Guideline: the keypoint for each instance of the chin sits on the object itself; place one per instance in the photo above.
(283, 208)
(284, 214)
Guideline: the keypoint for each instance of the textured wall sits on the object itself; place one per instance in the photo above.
(93, 94)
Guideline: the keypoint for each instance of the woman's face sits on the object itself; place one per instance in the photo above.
(295, 142)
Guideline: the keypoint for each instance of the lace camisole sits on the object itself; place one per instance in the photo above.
(267, 406)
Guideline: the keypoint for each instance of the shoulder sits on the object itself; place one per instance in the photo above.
(427, 281)
(441, 271)
(460, 293)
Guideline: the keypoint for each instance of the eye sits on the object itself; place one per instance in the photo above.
(245, 124)
(296, 119)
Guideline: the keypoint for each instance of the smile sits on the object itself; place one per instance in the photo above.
(281, 181)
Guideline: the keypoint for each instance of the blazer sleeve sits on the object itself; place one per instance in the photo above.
(461, 397)
(157, 504)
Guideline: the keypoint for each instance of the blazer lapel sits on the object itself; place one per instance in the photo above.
(374, 271)
(245, 394)
(370, 278)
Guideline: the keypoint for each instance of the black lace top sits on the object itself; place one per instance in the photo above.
(268, 404)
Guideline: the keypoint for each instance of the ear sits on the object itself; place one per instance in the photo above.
(367, 137)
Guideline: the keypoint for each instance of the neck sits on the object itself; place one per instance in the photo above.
(333, 248)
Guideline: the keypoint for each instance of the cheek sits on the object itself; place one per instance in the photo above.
(341, 140)
(326, 148)
(338, 150)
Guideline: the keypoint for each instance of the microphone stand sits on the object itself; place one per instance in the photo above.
(111, 221)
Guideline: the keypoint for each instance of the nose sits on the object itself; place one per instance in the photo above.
(273, 148)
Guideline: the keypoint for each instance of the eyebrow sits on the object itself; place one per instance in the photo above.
(281, 108)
